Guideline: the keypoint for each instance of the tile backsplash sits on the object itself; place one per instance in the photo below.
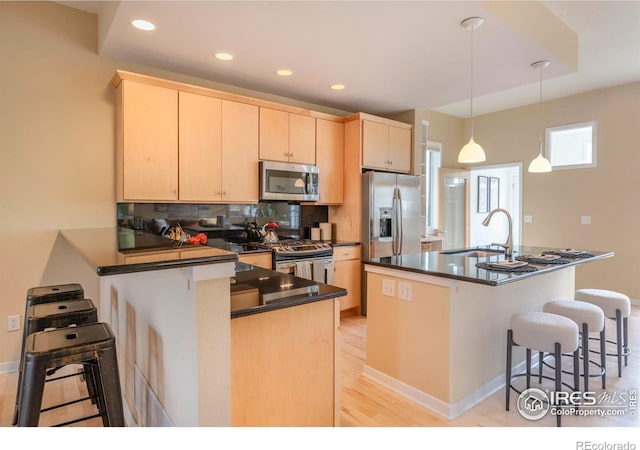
(220, 220)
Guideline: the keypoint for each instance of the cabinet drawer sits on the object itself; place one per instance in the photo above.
(151, 257)
(257, 259)
(199, 252)
(344, 253)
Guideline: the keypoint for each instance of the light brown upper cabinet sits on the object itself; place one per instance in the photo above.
(286, 136)
(218, 150)
(239, 152)
(386, 147)
(200, 125)
(147, 142)
(330, 161)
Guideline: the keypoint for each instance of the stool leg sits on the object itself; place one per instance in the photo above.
(540, 363)
(625, 338)
(603, 356)
(585, 355)
(528, 368)
(558, 363)
(110, 385)
(507, 384)
(619, 340)
(31, 398)
(20, 367)
(576, 370)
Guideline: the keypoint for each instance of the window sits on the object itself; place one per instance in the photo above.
(429, 172)
(572, 146)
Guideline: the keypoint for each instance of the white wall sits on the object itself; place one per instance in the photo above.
(498, 228)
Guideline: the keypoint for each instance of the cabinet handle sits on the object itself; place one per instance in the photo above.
(174, 192)
(391, 163)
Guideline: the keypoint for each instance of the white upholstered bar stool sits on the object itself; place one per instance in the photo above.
(590, 319)
(544, 332)
(616, 306)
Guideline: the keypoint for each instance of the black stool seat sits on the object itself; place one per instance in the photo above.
(93, 345)
(60, 314)
(55, 293)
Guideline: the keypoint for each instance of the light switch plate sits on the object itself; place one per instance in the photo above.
(585, 220)
(405, 291)
(528, 219)
(388, 287)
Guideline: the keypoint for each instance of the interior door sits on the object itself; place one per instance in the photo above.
(453, 200)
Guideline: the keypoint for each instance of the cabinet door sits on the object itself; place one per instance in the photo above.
(274, 135)
(150, 142)
(399, 149)
(199, 125)
(302, 139)
(239, 152)
(330, 161)
(347, 276)
(375, 145)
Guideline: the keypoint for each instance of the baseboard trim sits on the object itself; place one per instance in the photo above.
(443, 409)
(9, 366)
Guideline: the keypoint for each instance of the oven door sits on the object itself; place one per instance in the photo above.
(315, 269)
(288, 181)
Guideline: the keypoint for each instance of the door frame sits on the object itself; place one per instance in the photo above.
(457, 173)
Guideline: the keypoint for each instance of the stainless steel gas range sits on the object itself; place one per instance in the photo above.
(303, 258)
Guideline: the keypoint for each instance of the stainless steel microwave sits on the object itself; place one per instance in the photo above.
(288, 181)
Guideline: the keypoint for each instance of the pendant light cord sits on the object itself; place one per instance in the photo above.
(472, 28)
(540, 111)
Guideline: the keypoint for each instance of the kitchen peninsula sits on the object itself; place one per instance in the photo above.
(176, 332)
(437, 323)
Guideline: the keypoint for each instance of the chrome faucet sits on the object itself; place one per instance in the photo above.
(508, 246)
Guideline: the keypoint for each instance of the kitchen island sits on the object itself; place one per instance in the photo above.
(437, 323)
(170, 309)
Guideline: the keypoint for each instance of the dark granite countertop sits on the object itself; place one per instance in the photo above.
(256, 290)
(106, 249)
(463, 268)
(343, 243)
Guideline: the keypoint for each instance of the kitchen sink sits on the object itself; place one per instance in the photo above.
(474, 252)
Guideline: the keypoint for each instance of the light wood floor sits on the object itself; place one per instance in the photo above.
(365, 403)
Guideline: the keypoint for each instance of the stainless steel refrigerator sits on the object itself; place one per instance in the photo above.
(390, 214)
(390, 218)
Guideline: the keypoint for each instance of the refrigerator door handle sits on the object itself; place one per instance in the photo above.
(399, 220)
(394, 222)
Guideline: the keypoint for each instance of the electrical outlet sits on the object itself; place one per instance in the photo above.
(585, 220)
(405, 291)
(13, 323)
(388, 287)
(528, 219)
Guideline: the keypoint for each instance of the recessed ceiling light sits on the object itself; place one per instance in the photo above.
(337, 87)
(224, 56)
(143, 25)
(284, 72)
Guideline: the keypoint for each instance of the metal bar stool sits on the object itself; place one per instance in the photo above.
(36, 296)
(544, 332)
(57, 315)
(92, 344)
(617, 307)
(589, 318)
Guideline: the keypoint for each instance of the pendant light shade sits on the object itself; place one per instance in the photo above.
(471, 152)
(540, 164)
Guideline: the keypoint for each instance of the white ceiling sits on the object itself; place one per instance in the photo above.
(391, 55)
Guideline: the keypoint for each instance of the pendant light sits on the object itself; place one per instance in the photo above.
(540, 164)
(471, 152)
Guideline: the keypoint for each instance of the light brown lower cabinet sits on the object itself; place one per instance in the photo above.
(347, 275)
(284, 365)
